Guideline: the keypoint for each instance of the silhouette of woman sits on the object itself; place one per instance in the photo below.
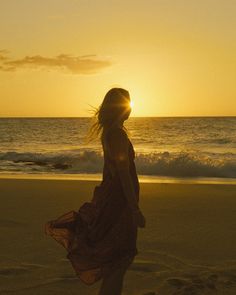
(101, 236)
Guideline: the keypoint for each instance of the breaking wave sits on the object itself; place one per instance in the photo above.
(182, 164)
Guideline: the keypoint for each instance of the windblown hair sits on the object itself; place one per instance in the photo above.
(112, 110)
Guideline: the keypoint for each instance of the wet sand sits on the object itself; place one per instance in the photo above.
(188, 246)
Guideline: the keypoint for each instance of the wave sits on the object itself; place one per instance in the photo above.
(80, 161)
(183, 164)
(218, 141)
(187, 165)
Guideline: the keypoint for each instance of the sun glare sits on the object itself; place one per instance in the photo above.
(131, 104)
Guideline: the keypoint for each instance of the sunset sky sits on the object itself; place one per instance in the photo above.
(176, 57)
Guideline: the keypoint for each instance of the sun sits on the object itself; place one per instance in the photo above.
(131, 104)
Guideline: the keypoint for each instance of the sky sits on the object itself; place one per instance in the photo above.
(58, 58)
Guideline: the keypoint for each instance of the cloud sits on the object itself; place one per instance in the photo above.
(2, 57)
(3, 53)
(83, 65)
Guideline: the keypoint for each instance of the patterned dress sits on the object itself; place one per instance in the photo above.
(101, 235)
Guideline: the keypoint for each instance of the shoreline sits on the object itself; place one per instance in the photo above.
(142, 178)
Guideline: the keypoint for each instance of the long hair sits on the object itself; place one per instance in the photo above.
(115, 108)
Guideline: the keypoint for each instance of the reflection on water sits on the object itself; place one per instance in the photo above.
(172, 147)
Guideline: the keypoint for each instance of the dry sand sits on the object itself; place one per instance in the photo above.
(188, 246)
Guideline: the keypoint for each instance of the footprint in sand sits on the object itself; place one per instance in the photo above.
(193, 284)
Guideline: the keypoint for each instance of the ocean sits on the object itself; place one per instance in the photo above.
(174, 147)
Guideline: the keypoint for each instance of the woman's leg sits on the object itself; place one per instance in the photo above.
(112, 284)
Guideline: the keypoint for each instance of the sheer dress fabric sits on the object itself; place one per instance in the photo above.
(101, 234)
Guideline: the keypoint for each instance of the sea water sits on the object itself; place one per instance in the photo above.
(179, 147)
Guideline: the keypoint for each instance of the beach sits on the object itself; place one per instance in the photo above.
(187, 248)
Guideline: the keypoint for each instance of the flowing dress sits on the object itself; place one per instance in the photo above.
(101, 234)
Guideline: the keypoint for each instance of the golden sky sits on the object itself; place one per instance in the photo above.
(176, 57)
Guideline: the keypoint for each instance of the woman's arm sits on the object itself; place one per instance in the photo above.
(129, 192)
(119, 152)
(127, 185)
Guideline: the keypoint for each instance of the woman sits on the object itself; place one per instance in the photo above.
(101, 237)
